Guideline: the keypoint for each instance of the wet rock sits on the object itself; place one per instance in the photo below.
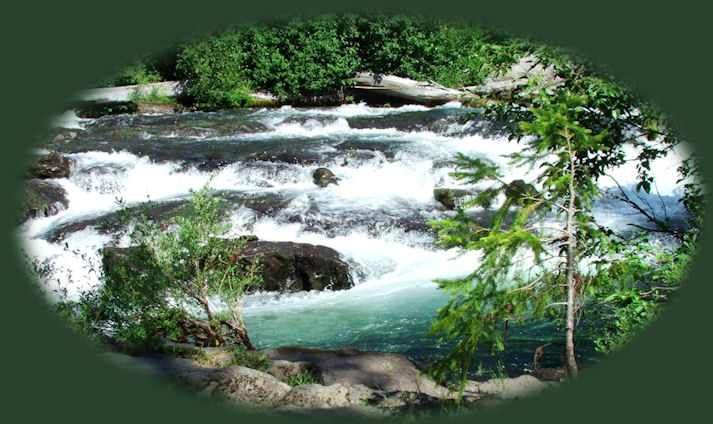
(159, 212)
(292, 267)
(161, 108)
(53, 165)
(38, 198)
(192, 132)
(63, 137)
(324, 177)
(292, 158)
(450, 197)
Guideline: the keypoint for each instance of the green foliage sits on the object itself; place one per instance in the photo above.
(632, 285)
(306, 55)
(628, 118)
(285, 57)
(301, 379)
(630, 308)
(135, 73)
(152, 96)
(248, 358)
(163, 285)
(157, 66)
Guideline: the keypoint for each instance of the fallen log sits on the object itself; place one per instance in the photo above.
(428, 93)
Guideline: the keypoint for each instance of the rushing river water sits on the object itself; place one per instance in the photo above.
(388, 161)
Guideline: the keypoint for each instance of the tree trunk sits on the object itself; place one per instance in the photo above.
(241, 332)
(571, 241)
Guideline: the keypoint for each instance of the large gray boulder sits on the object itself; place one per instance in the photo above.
(366, 384)
(285, 266)
(293, 267)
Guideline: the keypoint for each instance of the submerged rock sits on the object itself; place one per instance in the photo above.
(38, 199)
(324, 177)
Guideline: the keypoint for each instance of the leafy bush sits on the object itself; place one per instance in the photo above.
(307, 55)
(164, 284)
(136, 73)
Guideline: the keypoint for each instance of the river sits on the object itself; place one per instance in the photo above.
(388, 161)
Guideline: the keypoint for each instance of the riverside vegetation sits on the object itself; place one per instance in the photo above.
(543, 256)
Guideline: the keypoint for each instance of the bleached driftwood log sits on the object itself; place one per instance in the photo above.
(408, 89)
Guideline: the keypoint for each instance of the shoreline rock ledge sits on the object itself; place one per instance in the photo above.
(350, 382)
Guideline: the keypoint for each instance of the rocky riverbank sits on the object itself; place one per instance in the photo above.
(336, 382)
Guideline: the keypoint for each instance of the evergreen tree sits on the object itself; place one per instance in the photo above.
(540, 254)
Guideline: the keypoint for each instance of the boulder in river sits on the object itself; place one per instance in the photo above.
(450, 197)
(292, 267)
(39, 198)
(285, 266)
(49, 166)
(324, 177)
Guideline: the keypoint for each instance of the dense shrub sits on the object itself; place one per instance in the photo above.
(311, 55)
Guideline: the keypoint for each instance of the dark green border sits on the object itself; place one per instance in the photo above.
(50, 50)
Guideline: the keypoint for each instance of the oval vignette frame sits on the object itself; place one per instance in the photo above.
(53, 365)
